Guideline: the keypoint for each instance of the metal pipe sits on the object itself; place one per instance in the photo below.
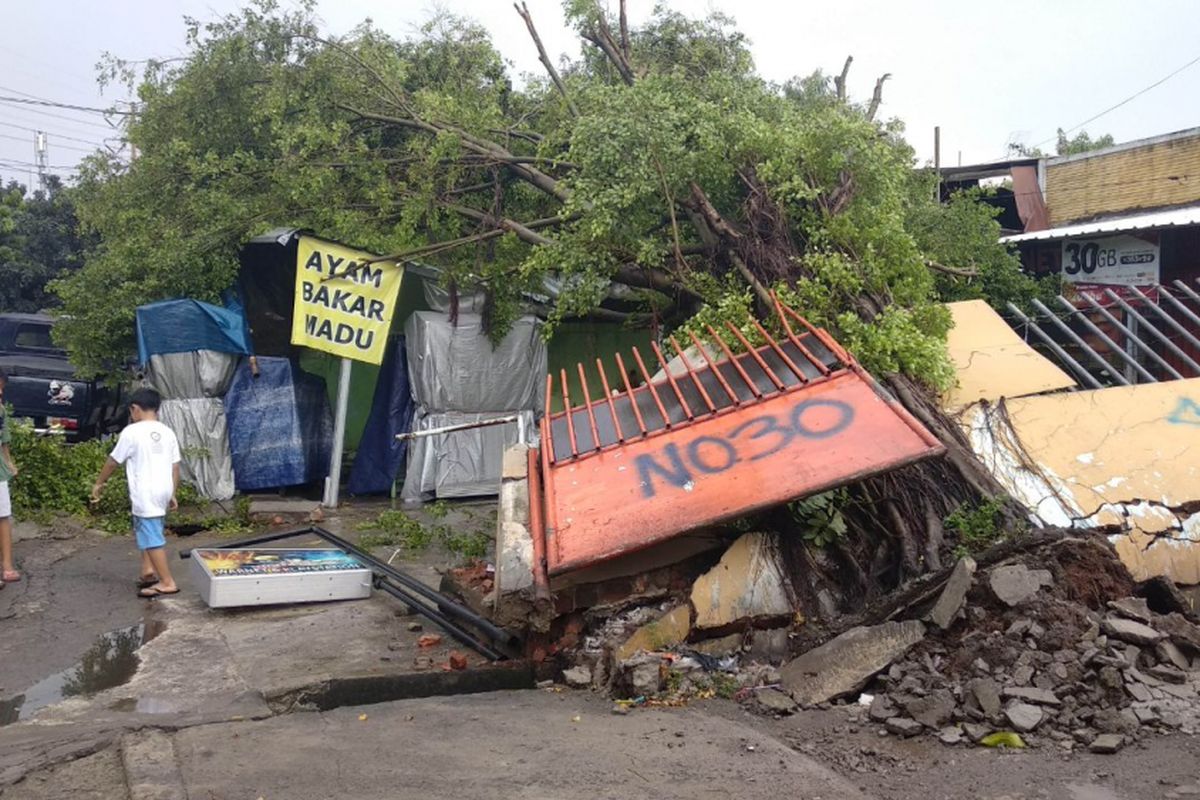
(637, 412)
(1187, 312)
(658, 353)
(733, 360)
(1133, 337)
(1183, 287)
(712, 365)
(570, 415)
(449, 626)
(753, 351)
(537, 525)
(1174, 323)
(1117, 349)
(587, 403)
(691, 371)
(1074, 337)
(637, 356)
(612, 407)
(1080, 372)
(1162, 337)
(779, 351)
(462, 426)
(333, 482)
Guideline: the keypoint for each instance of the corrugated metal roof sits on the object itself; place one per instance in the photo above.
(1189, 215)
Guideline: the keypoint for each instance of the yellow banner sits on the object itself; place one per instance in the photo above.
(343, 305)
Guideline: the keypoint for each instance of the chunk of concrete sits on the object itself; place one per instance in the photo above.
(1107, 743)
(902, 726)
(1169, 652)
(667, 631)
(1028, 694)
(952, 597)
(846, 663)
(579, 677)
(1134, 608)
(775, 701)
(1016, 583)
(1128, 630)
(934, 709)
(747, 585)
(515, 462)
(1023, 716)
(722, 646)
(987, 693)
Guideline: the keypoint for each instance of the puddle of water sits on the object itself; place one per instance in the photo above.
(111, 661)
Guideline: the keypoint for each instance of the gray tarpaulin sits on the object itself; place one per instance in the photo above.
(455, 367)
(462, 463)
(457, 376)
(192, 385)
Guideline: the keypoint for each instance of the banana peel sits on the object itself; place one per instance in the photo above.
(1003, 739)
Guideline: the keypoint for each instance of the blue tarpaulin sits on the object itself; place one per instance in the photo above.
(280, 425)
(380, 457)
(181, 326)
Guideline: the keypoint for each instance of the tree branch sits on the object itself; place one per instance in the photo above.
(602, 37)
(877, 98)
(956, 271)
(625, 49)
(839, 81)
(764, 295)
(523, 10)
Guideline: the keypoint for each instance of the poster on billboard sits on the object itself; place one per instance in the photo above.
(1110, 260)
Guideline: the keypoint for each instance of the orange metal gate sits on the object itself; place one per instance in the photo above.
(786, 419)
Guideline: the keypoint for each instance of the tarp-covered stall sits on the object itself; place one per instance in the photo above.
(280, 425)
(458, 376)
(190, 350)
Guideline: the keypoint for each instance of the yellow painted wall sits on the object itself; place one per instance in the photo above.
(1153, 176)
(1124, 456)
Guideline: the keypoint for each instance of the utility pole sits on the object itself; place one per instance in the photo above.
(937, 161)
(41, 158)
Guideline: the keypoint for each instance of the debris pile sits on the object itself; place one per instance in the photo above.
(1051, 647)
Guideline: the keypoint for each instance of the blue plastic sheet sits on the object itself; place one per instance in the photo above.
(280, 426)
(181, 326)
(380, 457)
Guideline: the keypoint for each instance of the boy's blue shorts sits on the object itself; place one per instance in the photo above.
(149, 532)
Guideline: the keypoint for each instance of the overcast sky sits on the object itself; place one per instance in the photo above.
(987, 73)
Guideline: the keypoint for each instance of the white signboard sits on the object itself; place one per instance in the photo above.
(1113, 260)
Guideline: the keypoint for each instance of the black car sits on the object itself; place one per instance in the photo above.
(42, 384)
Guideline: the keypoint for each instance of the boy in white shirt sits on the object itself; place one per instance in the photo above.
(150, 453)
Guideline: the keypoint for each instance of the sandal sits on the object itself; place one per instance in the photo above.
(146, 581)
(10, 576)
(151, 592)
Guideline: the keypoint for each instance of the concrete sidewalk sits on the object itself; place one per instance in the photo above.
(533, 745)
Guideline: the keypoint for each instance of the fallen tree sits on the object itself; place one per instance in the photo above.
(658, 159)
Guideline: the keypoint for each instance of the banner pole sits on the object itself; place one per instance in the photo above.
(334, 480)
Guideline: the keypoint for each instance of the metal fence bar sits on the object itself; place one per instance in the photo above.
(1162, 337)
(779, 351)
(753, 351)
(712, 365)
(1133, 337)
(1174, 323)
(637, 412)
(587, 403)
(658, 353)
(733, 360)
(1187, 312)
(567, 406)
(691, 371)
(1116, 348)
(650, 385)
(612, 407)
(1079, 342)
(1082, 373)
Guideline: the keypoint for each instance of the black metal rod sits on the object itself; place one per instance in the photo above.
(450, 626)
(1116, 348)
(1133, 337)
(1080, 372)
(1081, 344)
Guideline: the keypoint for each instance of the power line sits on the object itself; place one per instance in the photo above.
(73, 120)
(60, 146)
(70, 106)
(55, 134)
(1131, 97)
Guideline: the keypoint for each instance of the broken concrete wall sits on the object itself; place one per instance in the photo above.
(1125, 458)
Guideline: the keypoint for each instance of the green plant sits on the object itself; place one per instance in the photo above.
(394, 528)
(820, 517)
(438, 509)
(978, 528)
